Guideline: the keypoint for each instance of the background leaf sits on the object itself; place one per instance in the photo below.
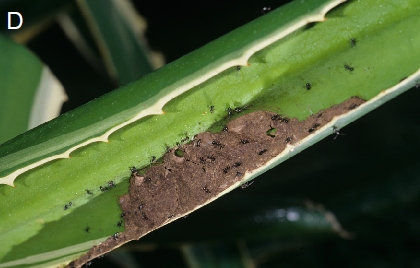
(337, 176)
(119, 34)
(30, 94)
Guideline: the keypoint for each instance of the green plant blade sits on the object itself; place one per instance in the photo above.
(102, 117)
(29, 102)
(263, 85)
(120, 39)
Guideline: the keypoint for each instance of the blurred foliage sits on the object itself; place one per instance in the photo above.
(368, 178)
(17, 94)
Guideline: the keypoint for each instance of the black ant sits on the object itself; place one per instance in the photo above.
(240, 109)
(308, 86)
(238, 68)
(226, 169)
(265, 10)
(122, 215)
(354, 105)
(246, 184)
(262, 152)
(206, 190)
(276, 117)
(212, 109)
(141, 206)
(348, 68)
(285, 119)
(87, 229)
(143, 216)
(202, 161)
(212, 158)
(337, 132)
(153, 159)
(313, 128)
(119, 224)
(115, 236)
(237, 164)
(244, 141)
(198, 143)
(230, 112)
(217, 143)
(68, 206)
(353, 42)
(225, 129)
(134, 171)
(103, 189)
(148, 179)
(89, 192)
(288, 139)
(236, 110)
(170, 217)
(111, 184)
(238, 174)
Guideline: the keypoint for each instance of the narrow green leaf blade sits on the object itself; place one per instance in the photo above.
(30, 94)
(97, 163)
(119, 33)
(100, 118)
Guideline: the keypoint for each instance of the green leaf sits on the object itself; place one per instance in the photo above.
(31, 95)
(104, 116)
(119, 34)
(271, 82)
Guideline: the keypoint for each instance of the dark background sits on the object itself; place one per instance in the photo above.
(369, 178)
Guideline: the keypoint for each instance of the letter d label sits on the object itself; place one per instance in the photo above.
(9, 20)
